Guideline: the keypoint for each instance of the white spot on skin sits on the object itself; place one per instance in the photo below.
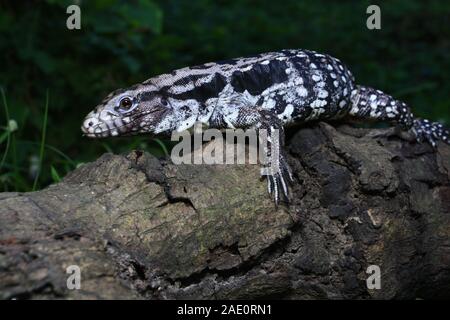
(321, 84)
(316, 112)
(271, 90)
(316, 78)
(287, 113)
(335, 83)
(105, 116)
(318, 103)
(118, 123)
(298, 81)
(373, 97)
(265, 62)
(302, 92)
(90, 123)
(270, 104)
(181, 89)
(333, 75)
(313, 66)
(247, 68)
(126, 120)
(164, 125)
(342, 103)
(322, 94)
(206, 115)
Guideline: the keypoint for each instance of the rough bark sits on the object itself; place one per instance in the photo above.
(140, 227)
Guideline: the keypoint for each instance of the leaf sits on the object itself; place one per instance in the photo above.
(55, 176)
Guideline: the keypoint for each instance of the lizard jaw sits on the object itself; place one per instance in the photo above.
(104, 125)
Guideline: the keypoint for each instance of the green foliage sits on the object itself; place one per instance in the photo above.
(125, 42)
(55, 175)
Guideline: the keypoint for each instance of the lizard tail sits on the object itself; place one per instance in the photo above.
(372, 104)
(430, 131)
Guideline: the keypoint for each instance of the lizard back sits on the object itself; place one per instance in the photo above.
(298, 85)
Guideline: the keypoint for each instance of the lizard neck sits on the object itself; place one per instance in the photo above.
(182, 116)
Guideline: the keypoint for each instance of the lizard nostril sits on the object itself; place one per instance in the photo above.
(90, 124)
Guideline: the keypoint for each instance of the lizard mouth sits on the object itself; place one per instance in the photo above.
(94, 128)
(105, 130)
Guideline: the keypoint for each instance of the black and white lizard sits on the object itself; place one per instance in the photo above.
(266, 91)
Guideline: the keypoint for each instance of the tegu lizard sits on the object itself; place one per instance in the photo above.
(267, 91)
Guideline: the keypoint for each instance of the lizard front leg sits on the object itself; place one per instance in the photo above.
(271, 138)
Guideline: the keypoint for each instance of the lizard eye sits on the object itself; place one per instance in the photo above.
(164, 101)
(125, 104)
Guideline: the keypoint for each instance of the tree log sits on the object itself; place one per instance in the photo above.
(142, 228)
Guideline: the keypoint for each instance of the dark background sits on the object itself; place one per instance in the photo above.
(125, 42)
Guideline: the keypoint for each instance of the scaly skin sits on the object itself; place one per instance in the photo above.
(267, 91)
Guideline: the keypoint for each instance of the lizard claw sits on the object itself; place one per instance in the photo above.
(276, 167)
(277, 180)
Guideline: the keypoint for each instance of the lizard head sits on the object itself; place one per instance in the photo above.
(139, 109)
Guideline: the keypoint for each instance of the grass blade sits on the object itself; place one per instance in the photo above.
(55, 175)
(44, 134)
(163, 146)
(51, 148)
(8, 137)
